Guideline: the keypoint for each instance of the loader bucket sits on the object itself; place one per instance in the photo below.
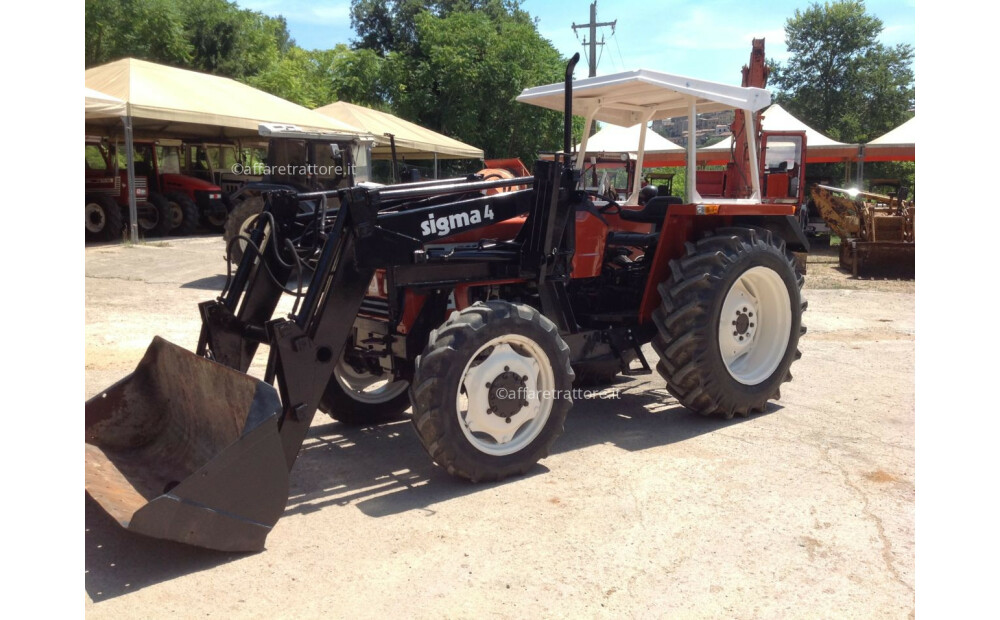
(186, 449)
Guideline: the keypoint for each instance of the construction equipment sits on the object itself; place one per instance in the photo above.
(473, 307)
(877, 231)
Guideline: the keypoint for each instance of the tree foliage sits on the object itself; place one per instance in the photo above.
(455, 67)
(840, 79)
(214, 36)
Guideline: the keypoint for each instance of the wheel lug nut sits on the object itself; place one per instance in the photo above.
(744, 309)
(751, 325)
(506, 368)
(734, 322)
(488, 385)
(507, 420)
(736, 333)
(741, 338)
(751, 314)
(524, 378)
(524, 403)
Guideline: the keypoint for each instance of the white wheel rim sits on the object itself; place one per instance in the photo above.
(366, 387)
(755, 325)
(525, 382)
(96, 221)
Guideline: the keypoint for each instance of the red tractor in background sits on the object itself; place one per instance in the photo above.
(107, 195)
(167, 202)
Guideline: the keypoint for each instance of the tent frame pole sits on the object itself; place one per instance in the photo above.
(133, 218)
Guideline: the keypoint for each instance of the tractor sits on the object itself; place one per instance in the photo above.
(107, 195)
(471, 302)
(297, 160)
(191, 199)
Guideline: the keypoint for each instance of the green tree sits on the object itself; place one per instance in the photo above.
(301, 76)
(839, 78)
(458, 70)
(147, 29)
(230, 41)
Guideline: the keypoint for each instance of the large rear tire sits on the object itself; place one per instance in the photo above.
(240, 223)
(729, 322)
(183, 214)
(358, 397)
(104, 220)
(491, 391)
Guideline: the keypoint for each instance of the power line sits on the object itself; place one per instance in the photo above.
(593, 25)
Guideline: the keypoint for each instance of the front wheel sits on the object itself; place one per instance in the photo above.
(154, 216)
(729, 322)
(183, 214)
(491, 390)
(240, 223)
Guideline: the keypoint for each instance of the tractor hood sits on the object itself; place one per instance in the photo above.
(183, 182)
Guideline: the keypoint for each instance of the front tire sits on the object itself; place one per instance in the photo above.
(154, 221)
(491, 391)
(240, 223)
(729, 322)
(183, 214)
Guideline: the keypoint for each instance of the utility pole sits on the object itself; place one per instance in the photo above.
(593, 26)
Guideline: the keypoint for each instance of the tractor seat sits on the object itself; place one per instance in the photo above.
(653, 212)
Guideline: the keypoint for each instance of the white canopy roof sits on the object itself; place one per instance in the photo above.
(100, 105)
(820, 148)
(616, 139)
(904, 134)
(411, 139)
(627, 98)
(900, 144)
(165, 100)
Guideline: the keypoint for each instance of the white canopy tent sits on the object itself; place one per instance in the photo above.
(820, 148)
(640, 96)
(166, 101)
(900, 144)
(614, 139)
(99, 105)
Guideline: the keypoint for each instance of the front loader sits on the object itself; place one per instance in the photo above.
(472, 302)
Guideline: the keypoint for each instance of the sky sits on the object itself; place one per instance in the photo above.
(709, 39)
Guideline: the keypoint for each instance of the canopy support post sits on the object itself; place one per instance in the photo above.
(133, 217)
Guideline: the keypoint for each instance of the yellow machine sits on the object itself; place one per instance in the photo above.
(877, 233)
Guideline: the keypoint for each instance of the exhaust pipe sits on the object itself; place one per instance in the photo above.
(568, 107)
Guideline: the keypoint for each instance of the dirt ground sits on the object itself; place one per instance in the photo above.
(644, 509)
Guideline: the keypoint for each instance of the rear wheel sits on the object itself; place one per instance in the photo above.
(183, 214)
(103, 219)
(240, 223)
(491, 391)
(729, 322)
(358, 396)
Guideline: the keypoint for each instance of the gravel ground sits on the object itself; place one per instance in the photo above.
(644, 509)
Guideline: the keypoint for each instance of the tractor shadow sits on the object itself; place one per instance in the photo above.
(384, 470)
(118, 562)
(211, 283)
